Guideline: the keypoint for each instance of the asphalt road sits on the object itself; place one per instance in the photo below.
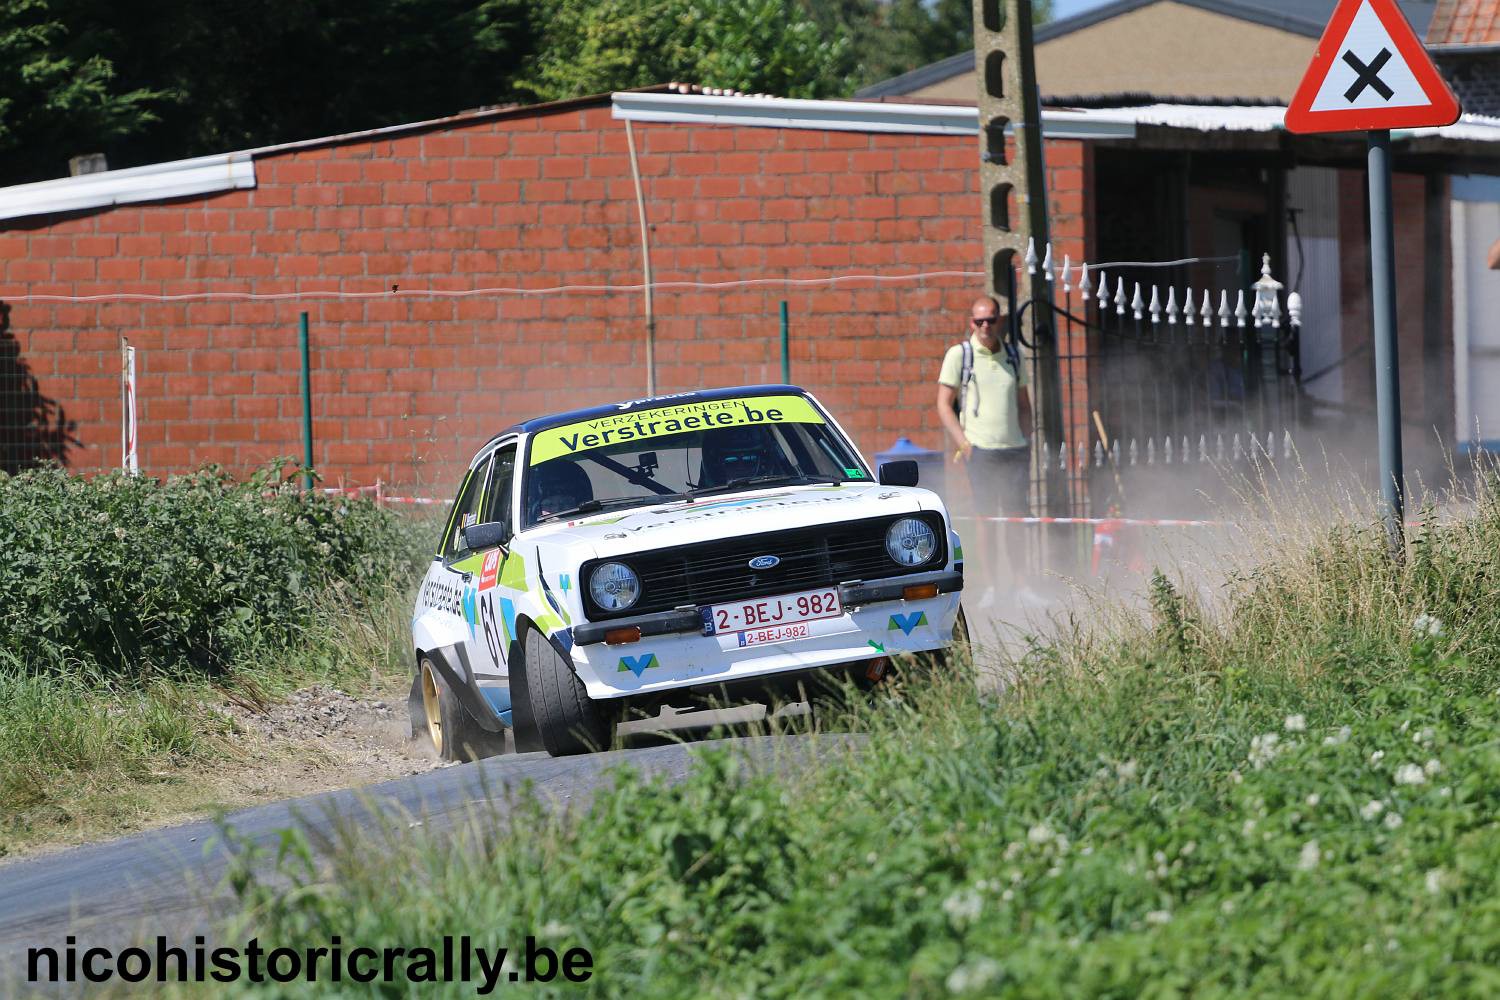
(167, 882)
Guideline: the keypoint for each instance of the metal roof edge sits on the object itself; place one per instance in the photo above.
(154, 182)
(844, 116)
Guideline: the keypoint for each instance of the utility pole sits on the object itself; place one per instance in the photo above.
(1009, 102)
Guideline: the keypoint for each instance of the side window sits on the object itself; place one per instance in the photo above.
(502, 477)
(466, 510)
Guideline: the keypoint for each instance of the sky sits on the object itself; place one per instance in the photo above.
(1067, 8)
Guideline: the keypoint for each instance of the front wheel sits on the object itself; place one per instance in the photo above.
(443, 719)
(566, 718)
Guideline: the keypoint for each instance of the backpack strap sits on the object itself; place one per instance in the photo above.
(966, 378)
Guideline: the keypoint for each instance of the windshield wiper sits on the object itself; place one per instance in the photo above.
(782, 480)
(594, 506)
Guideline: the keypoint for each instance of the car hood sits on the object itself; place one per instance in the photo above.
(731, 515)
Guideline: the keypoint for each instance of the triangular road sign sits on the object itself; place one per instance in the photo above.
(1370, 72)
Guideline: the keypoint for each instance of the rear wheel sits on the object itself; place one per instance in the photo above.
(568, 721)
(453, 732)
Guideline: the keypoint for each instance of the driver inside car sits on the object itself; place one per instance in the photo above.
(731, 453)
(556, 486)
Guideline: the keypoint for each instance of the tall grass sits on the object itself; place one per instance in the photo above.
(1294, 792)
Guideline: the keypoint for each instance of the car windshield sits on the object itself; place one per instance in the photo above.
(682, 451)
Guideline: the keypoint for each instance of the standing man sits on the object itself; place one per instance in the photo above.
(983, 405)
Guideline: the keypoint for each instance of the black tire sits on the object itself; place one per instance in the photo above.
(452, 733)
(566, 719)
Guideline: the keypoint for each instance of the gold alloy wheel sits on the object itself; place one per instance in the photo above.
(432, 706)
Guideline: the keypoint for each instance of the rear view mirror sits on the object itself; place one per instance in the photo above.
(486, 536)
(902, 473)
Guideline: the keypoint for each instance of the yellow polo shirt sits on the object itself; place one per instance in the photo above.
(996, 424)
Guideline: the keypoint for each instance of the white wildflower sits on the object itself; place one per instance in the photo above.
(1310, 856)
(1086, 850)
(1377, 757)
(963, 907)
(102, 517)
(1393, 821)
(1313, 799)
(1405, 725)
(1127, 770)
(1445, 792)
(1263, 749)
(1227, 907)
(1012, 849)
(120, 534)
(553, 929)
(1410, 774)
(1391, 944)
(1008, 895)
(1039, 834)
(1248, 828)
(1427, 625)
(1342, 736)
(1295, 724)
(1434, 881)
(1235, 777)
(871, 858)
(1188, 848)
(974, 976)
(1062, 843)
(1425, 736)
(1159, 917)
(1371, 809)
(1160, 857)
(1433, 766)
(1054, 871)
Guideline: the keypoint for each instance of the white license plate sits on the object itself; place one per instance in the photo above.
(769, 613)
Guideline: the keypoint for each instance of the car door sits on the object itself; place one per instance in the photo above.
(458, 569)
(490, 648)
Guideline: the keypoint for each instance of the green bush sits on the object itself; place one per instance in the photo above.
(120, 577)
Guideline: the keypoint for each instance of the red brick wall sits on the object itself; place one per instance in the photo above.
(406, 388)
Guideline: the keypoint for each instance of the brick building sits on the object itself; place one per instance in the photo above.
(429, 258)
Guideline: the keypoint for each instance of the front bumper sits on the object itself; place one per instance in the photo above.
(674, 653)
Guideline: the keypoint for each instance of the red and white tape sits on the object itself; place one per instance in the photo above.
(1105, 522)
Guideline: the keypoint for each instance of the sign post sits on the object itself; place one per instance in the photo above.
(1371, 74)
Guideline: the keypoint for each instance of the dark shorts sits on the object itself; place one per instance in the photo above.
(1000, 480)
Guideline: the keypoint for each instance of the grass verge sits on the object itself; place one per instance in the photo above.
(1292, 794)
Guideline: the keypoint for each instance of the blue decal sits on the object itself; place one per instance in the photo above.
(638, 664)
(564, 637)
(499, 699)
(565, 582)
(508, 615)
(907, 622)
(471, 613)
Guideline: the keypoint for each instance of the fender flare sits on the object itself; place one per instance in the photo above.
(452, 663)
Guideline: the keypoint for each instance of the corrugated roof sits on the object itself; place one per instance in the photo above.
(1465, 22)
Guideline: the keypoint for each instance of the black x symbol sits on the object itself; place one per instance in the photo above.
(1367, 77)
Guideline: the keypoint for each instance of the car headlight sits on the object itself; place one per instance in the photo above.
(614, 586)
(911, 542)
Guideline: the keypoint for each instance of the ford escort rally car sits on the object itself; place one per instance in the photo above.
(633, 554)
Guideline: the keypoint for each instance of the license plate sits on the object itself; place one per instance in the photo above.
(772, 612)
(776, 633)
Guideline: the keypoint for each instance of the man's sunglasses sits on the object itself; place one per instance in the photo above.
(985, 320)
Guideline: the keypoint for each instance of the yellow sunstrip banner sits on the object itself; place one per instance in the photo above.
(620, 428)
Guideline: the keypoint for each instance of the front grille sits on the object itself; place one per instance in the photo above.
(717, 571)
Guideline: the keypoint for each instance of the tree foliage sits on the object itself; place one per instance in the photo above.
(151, 80)
(771, 46)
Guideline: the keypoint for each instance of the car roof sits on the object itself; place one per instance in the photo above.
(647, 403)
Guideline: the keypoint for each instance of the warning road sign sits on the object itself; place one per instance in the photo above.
(1370, 72)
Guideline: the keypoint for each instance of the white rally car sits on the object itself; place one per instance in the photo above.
(644, 553)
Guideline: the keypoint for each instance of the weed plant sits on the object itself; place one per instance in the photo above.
(1292, 794)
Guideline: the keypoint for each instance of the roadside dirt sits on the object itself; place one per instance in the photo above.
(317, 739)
